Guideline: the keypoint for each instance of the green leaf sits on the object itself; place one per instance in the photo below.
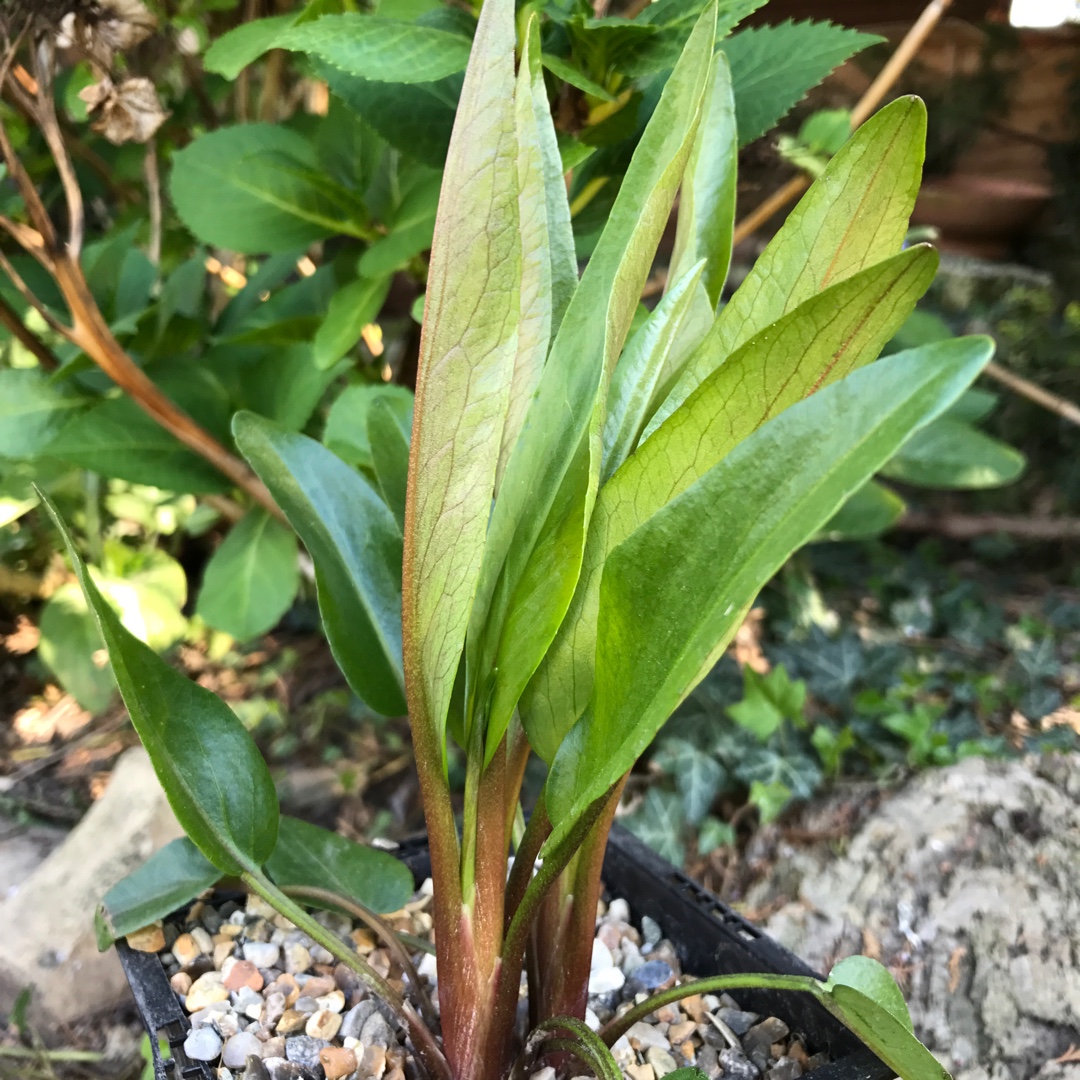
(548, 262)
(172, 877)
(773, 67)
(668, 605)
(389, 455)
(853, 216)
(641, 368)
(252, 578)
(538, 527)
(975, 405)
(697, 775)
(952, 454)
(411, 230)
(817, 343)
(69, 647)
(346, 425)
(378, 48)
(244, 44)
(563, 69)
(467, 351)
(356, 547)
(213, 774)
(870, 511)
(33, 410)
(873, 980)
(353, 307)
(767, 701)
(309, 856)
(268, 195)
(707, 203)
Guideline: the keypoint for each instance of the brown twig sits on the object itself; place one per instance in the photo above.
(153, 198)
(1062, 406)
(28, 295)
(970, 526)
(26, 337)
(867, 104)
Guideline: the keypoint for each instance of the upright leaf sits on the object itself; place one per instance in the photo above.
(548, 262)
(707, 203)
(389, 455)
(539, 523)
(252, 578)
(356, 547)
(817, 343)
(352, 308)
(669, 602)
(213, 774)
(854, 215)
(467, 351)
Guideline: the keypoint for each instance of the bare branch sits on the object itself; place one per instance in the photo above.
(153, 196)
(9, 318)
(28, 295)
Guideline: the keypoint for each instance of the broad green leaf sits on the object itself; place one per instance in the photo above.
(213, 774)
(251, 580)
(819, 342)
(71, 647)
(346, 425)
(353, 307)
(540, 520)
(869, 512)
(309, 856)
(873, 980)
(853, 216)
(669, 603)
(950, 453)
(33, 410)
(641, 368)
(467, 350)
(172, 877)
(379, 48)
(267, 192)
(707, 203)
(389, 455)
(773, 67)
(548, 263)
(356, 547)
(244, 44)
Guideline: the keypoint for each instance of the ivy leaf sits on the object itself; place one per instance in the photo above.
(659, 823)
(773, 67)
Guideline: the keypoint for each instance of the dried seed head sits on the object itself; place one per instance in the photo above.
(102, 28)
(128, 111)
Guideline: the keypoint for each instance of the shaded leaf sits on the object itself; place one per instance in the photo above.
(353, 307)
(389, 455)
(870, 511)
(229, 54)
(346, 425)
(33, 410)
(950, 453)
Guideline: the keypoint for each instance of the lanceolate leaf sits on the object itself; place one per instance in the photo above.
(707, 203)
(251, 580)
(669, 602)
(352, 308)
(540, 518)
(169, 879)
(950, 453)
(389, 455)
(213, 774)
(548, 263)
(309, 856)
(853, 216)
(868, 512)
(466, 355)
(817, 343)
(356, 547)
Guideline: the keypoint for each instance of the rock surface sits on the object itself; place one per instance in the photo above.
(967, 885)
(46, 926)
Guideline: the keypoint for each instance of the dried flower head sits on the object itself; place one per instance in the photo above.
(128, 111)
(102, 28)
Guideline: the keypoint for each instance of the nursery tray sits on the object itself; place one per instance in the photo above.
(710, 938)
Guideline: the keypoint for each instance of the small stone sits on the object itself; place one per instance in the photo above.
(661, 1061)
(297, 959)
(678, 1033)
(256, 905)
(640, 1072)
(210, 1015)
(254, 1069)
(323, 1025)
(739, 1022)
(203, 1044)
(373, 1062)
(642, 1036)
(654, 975)
(181, 983)
(316, 985)
(274, 1047)
(352, 1022)
(606, 980)
(786, 1068)
(650, 932)
(205, 990)
(669, 1014)
(239, 1048)
(186, 950)
(263, 954)
(764, 1034)
(304, 1050)
(306, 1005)
(737, 1066)
(319, 955)
(203, 940)
(364, 940)
(376, 1031)
(273, 1009)
(686, 1051)
(287, 987)
(291, 1022)
(609, 935)
(618, 911)
(631, 957)
(223, 950)
(334, 1001)
(547, 1073)
(815, 1061)
(149, 939)
(398, 1073)
(227, 1024)
(337, 1062)
(281, 1069)
(243, 974)
(708, 1061)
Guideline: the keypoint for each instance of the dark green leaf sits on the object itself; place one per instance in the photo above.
(389, 455)
(870, 511)
(346, 426)
(353, 307)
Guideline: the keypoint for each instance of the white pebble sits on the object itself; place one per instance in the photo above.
(606, 980)
(601, 956)
(239, 1048)
(203, 1044)
(263, 954)
(618, 911)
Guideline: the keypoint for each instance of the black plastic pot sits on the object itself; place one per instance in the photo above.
(711, 940)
